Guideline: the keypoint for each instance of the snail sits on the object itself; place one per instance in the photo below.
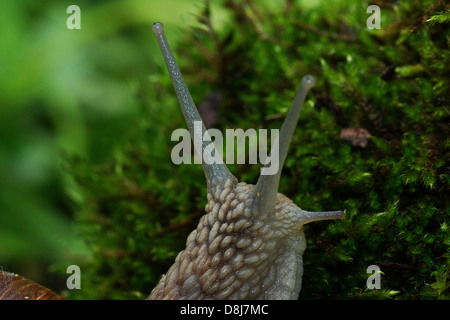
(250, 242)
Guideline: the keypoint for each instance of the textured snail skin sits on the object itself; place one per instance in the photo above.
(250, 242)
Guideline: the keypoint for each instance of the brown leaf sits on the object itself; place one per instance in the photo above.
(355, 136)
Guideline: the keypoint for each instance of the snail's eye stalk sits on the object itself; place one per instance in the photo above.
(268, 184)
(215, 173)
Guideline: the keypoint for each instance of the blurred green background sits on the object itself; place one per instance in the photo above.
(86, 117)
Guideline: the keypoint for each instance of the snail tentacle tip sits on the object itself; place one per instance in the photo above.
(309, 81)
(158, 28)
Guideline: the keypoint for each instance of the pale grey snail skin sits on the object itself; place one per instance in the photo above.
(250, 242)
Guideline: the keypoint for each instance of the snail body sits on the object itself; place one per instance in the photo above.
(250, 242)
